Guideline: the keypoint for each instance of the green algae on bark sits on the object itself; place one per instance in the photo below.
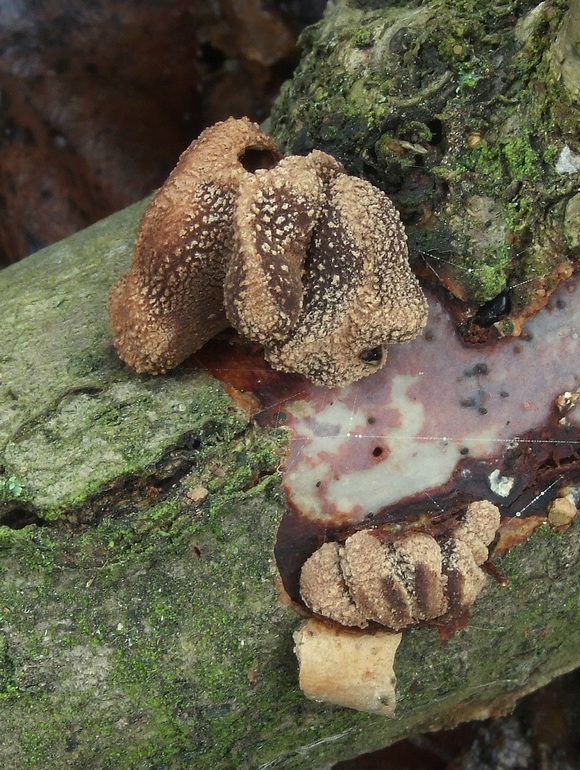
(140, 619)
(130, 647)
(74, 419)
(456, 111)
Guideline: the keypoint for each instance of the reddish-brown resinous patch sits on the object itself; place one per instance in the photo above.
(397, 584)
(293, 253)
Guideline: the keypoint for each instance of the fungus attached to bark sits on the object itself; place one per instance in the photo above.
(294, 253)
(399, 583)
(397, 458)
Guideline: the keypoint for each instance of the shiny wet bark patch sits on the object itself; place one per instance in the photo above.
(443, 424)
(441, 414)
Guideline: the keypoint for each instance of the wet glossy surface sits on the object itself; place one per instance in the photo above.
(444, 423)
(438, 407)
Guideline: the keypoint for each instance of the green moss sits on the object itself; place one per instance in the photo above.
(123, 562)
(182, 641)
(11, 490)
(8, 686)
(364, 38)
(490, 276)
(440, 69)
(550, 154)
(140, 627)
(485, 160)
(522, 160)
(467, 79)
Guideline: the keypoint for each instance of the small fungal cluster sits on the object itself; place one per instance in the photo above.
(412, 579)
(294, 253)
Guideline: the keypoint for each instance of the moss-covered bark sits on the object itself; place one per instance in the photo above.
(460, 112)
(140, 621)
(141, 625)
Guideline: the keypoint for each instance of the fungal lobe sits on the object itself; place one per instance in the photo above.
(171, 301)
(359, 291)
(275, 214)
(323, 580)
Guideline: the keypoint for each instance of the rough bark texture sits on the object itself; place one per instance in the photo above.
(140, 625)
(460, 112)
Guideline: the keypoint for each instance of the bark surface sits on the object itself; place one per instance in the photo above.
(466, 114)
(140, 623)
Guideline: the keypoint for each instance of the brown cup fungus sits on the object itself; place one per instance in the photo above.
(294, 253)
(399, 583)
(311, 264)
